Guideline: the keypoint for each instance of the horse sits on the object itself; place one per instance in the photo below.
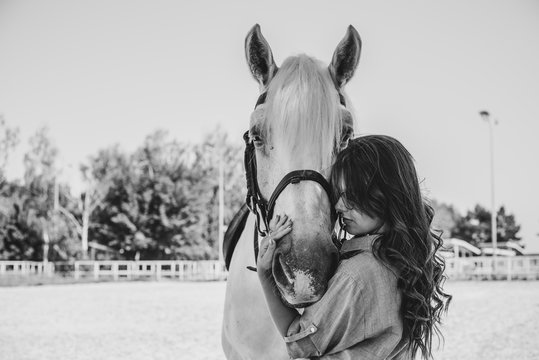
(298, 125)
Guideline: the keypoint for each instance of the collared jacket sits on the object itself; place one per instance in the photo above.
(358, 317)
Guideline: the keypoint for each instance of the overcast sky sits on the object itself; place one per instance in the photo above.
(103, 72)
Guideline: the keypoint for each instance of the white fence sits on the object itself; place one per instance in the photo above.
(181, 270)
(484, 267)
(464, 268)
(26, 268)
(116, 270)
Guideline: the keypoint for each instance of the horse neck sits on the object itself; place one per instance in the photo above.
(247, 326)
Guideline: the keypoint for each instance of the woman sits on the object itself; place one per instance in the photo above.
(386, 298)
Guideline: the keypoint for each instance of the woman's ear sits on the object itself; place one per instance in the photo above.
(259, 57)
(345, 58)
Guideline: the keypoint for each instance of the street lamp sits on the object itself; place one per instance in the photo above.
(221, 203)
(486, 117)
(219, 148)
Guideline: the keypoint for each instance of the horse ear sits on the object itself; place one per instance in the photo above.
(345, 58)
(259, 57)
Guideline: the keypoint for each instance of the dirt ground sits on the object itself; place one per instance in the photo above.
(174, 320)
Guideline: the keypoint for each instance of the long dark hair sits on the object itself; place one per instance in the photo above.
(376, 174)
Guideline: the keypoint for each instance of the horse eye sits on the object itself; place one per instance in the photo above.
(257, 140)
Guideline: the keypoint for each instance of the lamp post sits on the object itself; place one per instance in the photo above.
(218, 147)
(486, 117)
(221, 203)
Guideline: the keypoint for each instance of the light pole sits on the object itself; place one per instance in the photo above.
(486, 117)
(221, 202)
(218, 148)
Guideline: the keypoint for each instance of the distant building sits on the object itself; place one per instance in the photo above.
(506, 248)
(457, 248)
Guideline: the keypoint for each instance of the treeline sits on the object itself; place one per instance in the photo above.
(157, 202)
(475, 226)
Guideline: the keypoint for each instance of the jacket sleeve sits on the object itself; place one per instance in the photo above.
(358, 317)
(336, 318)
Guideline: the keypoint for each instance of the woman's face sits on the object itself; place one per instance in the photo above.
(356, 222)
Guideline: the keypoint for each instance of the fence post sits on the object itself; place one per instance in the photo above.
(51, 269)
(180, 270)
(96, 270)
(115, 271)
(76, 270)
(158, 271)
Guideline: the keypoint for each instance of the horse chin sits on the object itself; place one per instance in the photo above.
(293, 303)
(296, 288)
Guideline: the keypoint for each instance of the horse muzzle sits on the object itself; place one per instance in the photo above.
(302, 274)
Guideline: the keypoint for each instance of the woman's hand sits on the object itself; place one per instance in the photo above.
(282, 315)
(279, 226)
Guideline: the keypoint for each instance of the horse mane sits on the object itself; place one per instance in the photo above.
(302, 113)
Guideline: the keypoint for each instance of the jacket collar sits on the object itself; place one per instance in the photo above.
(363, 243)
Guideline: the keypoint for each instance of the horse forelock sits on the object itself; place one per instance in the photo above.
(302, 114)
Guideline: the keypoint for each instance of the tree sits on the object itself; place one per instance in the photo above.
(20, 225)
(475, 227)
(162, 200)
(445, 218)
(217, 147)
(39, 199)
(150, 210)
(9, 139)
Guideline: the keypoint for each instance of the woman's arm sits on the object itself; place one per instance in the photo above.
(282, 315)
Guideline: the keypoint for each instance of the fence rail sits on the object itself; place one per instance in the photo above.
(116, 270)
(26, 268)
(484, 267)
(181, 270)
(467, 268)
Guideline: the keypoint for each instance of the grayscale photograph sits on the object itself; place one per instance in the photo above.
(245, 180)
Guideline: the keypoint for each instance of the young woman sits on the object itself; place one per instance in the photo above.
(386, 298)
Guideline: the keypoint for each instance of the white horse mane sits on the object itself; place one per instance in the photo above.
(303, 113)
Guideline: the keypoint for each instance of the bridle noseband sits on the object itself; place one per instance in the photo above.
(262, 208)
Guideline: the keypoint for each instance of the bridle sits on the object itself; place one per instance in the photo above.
(262, 208)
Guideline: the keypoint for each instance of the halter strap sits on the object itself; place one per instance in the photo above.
(295, 177)
(256, 203)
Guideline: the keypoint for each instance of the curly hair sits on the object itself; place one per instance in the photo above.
(376, 174)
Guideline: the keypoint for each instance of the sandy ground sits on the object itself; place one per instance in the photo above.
(173, 320)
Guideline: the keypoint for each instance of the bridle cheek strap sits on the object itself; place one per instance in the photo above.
(256, 203)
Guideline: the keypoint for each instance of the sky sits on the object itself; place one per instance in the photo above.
(99, 73)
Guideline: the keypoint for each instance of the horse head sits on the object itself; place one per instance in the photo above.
(300, 123)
